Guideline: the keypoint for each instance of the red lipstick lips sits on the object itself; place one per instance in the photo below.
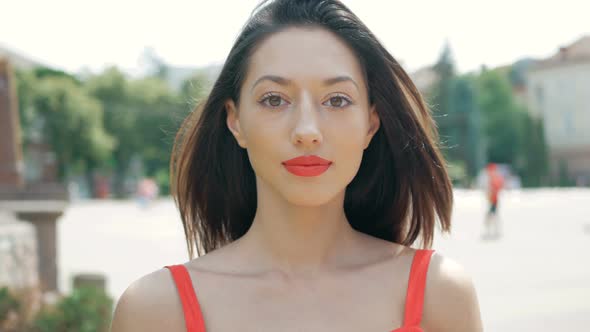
(307, 165)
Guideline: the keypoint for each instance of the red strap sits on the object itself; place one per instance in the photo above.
(416, 286)
(190, 305)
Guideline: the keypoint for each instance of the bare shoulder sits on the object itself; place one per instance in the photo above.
(150, 303)
(450, 301)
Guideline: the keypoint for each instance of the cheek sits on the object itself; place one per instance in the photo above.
(348, 139)
(262, 143)
(349, 133)
(262, 133)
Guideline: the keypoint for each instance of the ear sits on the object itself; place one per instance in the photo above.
(374, 124)
(233, 123)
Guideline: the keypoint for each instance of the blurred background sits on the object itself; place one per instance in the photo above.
(92, 93)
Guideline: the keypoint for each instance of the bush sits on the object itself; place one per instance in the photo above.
(9, 304)
(87, 309)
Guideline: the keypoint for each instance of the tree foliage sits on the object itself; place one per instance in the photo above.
(56, 109)
(513, 137)
(480, 120)
(106, 121)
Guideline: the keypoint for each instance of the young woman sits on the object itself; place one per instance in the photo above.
(302, 182)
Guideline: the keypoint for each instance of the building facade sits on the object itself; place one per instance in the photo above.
(558, 91)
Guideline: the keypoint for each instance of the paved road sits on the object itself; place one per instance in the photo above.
(535, 278)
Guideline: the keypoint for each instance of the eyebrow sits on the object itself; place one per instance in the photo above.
(338, 79)
(284, 81)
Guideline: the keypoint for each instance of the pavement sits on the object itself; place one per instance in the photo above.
(536, 277)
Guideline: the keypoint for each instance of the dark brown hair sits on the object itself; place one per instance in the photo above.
(402, 185)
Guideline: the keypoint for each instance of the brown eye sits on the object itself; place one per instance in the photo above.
(336, 101)
(274, 101)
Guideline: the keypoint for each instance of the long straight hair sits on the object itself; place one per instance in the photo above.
(402, 187)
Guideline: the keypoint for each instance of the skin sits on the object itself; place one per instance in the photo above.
(301, 267)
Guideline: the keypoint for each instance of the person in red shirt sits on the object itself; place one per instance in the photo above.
(495, 185)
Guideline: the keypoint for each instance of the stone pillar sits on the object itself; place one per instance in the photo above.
(18, 253)
(11, 163)
(45, 226)
(40, 203)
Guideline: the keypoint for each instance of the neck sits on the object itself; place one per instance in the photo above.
(299, 240)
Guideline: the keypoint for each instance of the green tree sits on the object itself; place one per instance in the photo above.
(465, 130)
(446, 72)
(535, 164)
(502, 122)
(43, 72)
(439, 97)
(111, 88)
(71, 124)
(143, 116)
(54, 108)
(457, 116)
(106, 121)
(25, 86)
(195, 89)
(161, 112)
(512, 136)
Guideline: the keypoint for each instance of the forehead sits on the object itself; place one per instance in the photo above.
(304, 53)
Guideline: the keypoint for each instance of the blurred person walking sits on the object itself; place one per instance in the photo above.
(495, 183)
(147, 192)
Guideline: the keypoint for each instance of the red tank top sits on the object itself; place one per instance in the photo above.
(412, 315)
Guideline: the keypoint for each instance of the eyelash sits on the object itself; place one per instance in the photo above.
(268, 95)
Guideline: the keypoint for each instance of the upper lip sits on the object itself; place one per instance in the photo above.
(307, 161)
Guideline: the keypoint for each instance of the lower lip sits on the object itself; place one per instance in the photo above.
(300, 170)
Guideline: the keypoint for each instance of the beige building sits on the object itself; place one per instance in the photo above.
(558, 91)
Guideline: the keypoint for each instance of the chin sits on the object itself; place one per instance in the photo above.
(310, 198)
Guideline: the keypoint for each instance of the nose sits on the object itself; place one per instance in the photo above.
(306, 131)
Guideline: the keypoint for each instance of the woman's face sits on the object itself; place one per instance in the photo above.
(304, 95)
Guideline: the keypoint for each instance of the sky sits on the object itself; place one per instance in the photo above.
(77, 34)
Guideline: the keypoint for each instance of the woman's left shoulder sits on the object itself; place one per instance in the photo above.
(446, 274)
(450, 299)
